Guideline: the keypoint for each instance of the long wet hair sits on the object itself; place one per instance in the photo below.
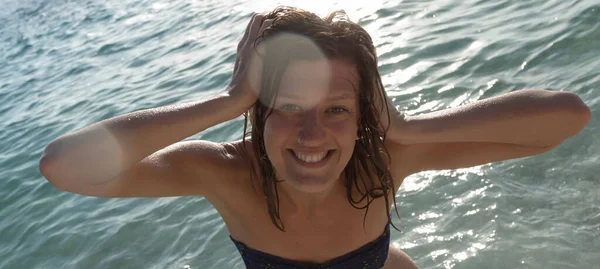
(337, 38)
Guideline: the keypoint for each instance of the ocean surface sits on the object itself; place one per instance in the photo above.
(67, 64)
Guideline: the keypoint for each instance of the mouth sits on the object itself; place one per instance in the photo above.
(313, 159)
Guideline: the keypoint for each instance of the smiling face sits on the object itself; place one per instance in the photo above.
(303, 128)
(311, 133)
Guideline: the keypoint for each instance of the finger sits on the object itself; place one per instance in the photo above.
(254, 68)
(246, 32)
(253, 30)
(266, 24)
(239, 51)
(258, 45)
(237, 63)
(254, 57)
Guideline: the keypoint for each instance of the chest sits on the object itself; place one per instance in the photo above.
(335, 232)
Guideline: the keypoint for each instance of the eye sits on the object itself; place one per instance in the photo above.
(337, 110)
(289, 108)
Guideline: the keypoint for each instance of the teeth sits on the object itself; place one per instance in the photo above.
(312, 158)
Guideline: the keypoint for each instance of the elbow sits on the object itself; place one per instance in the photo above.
(48, 169)
(573, 102)
(582, 114)
(55, 175)
(585, 116)
(63, 174)
(578, 113)
(46, 164)
(52, 167)
(579, 107)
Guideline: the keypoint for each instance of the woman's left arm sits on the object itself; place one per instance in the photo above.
(516, 124)
(531, 118)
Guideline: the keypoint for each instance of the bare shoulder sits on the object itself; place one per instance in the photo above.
(215, 163)
(228, 164)
(191, 152)
(186, 168)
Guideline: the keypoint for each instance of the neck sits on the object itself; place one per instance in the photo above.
(308, 205)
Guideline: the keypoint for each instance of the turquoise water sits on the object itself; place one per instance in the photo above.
(67, 64)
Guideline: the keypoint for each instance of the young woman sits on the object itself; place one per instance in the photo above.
(313, 184)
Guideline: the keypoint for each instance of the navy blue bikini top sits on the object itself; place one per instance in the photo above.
(370, 256)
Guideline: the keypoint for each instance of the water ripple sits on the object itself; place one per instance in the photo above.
(66, 66)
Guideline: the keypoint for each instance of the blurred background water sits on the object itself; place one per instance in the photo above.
(67, 64)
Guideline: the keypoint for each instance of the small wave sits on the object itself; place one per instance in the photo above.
(22, 51)
(112, 48)
(78, 70)
(588, 17)
(446, 48)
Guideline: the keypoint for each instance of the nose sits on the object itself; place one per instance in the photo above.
(311, 132)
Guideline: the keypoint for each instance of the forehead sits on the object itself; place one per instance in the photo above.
(318, 79)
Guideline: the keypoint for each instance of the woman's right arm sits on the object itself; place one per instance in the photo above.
(139, 154)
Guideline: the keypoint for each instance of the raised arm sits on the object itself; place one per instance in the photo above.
(532, 118)
(138, 154)
(512, 125)
(121, 147)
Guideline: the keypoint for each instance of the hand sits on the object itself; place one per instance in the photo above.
(246, 80)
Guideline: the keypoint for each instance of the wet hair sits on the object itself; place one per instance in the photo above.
(337, 38)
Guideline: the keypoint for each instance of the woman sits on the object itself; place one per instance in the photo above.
(313, 185)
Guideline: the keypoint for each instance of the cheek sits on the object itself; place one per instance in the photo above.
(346, 134)
(345, 130)
(276, 126)
(276, 132)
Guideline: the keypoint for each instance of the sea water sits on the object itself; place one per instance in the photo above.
(67, 64)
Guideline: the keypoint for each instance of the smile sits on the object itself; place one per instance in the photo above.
(313, 159)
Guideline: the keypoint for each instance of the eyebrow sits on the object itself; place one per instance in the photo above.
(341, 97)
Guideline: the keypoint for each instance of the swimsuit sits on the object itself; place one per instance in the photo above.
(370, 256)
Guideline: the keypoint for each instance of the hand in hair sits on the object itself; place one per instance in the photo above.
(245, 82)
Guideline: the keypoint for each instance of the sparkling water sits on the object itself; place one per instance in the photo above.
(67, 64)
